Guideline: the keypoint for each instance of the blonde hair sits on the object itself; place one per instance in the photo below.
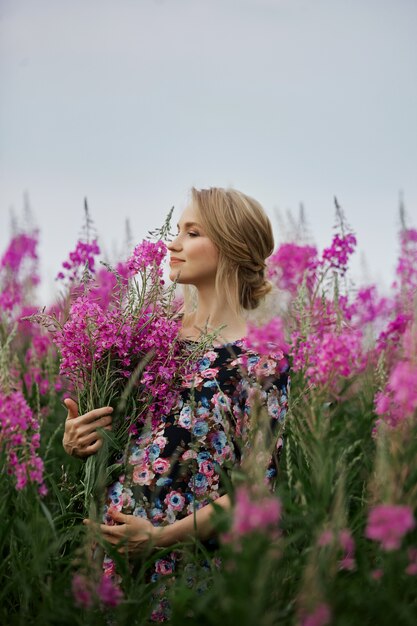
(242, 232)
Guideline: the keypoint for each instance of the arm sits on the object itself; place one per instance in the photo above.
(81, 438)
(197, 524)
(140, 534)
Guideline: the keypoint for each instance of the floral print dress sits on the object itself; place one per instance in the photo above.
(177, 467)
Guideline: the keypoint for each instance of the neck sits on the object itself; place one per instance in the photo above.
(213, 311)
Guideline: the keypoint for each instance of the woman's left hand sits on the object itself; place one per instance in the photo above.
(136, 534)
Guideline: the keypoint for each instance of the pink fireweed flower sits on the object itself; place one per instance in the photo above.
(398, 400)
(411, 568)
(377, 574)
(345, 542)
(409, 236)
(107, 287)
(92, 335)
(108, 592)
(252, 515)
(403, 382)
(84, 326)
(37, 368)
(290, 263)
(337, 255)
(396, 328)
(147, 254)
(320, 616)
(326, 538)
(21, 247)
(328, 356)
(86, 593)
(385, 407)
(19, 440)
(10, 296)
(18, 273)
(388, 523)
(369, 308)
(407, 262)
(82, 257)
(268, 340)
(82, 591)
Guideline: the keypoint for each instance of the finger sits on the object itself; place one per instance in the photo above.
(88, 432)
(120, 517)
(72, 408)
(88, 440)
(92, 438)
(96, 526)
(113, 530)
(90, 524)
(93, 448)
(95, 414)
(115, 541)
(114, 534)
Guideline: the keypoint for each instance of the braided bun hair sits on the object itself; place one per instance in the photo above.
(242, 232)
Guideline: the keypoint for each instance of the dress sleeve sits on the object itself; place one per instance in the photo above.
(277, 403)
(262, 394)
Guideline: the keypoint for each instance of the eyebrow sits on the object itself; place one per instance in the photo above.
(189, 224)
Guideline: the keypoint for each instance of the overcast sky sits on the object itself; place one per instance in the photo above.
(131, 102)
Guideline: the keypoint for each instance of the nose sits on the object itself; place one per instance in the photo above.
(175, 244)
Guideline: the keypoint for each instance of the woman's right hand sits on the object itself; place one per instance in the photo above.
(81, 438)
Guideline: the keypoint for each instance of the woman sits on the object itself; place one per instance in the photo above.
(223, 240)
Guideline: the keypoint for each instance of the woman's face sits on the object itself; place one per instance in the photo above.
(193, 256)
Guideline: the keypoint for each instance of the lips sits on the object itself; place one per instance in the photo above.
(174, 259)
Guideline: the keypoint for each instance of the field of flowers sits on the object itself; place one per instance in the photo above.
(335, 543)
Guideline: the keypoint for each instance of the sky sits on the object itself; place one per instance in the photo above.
(129, 103)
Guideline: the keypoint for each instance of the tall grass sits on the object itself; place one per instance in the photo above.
(318, 566)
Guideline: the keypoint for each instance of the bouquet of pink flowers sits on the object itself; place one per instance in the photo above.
(119, 348)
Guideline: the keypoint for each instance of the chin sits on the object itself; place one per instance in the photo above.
(175, 276)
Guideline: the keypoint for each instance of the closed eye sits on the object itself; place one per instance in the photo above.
(191, 233)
